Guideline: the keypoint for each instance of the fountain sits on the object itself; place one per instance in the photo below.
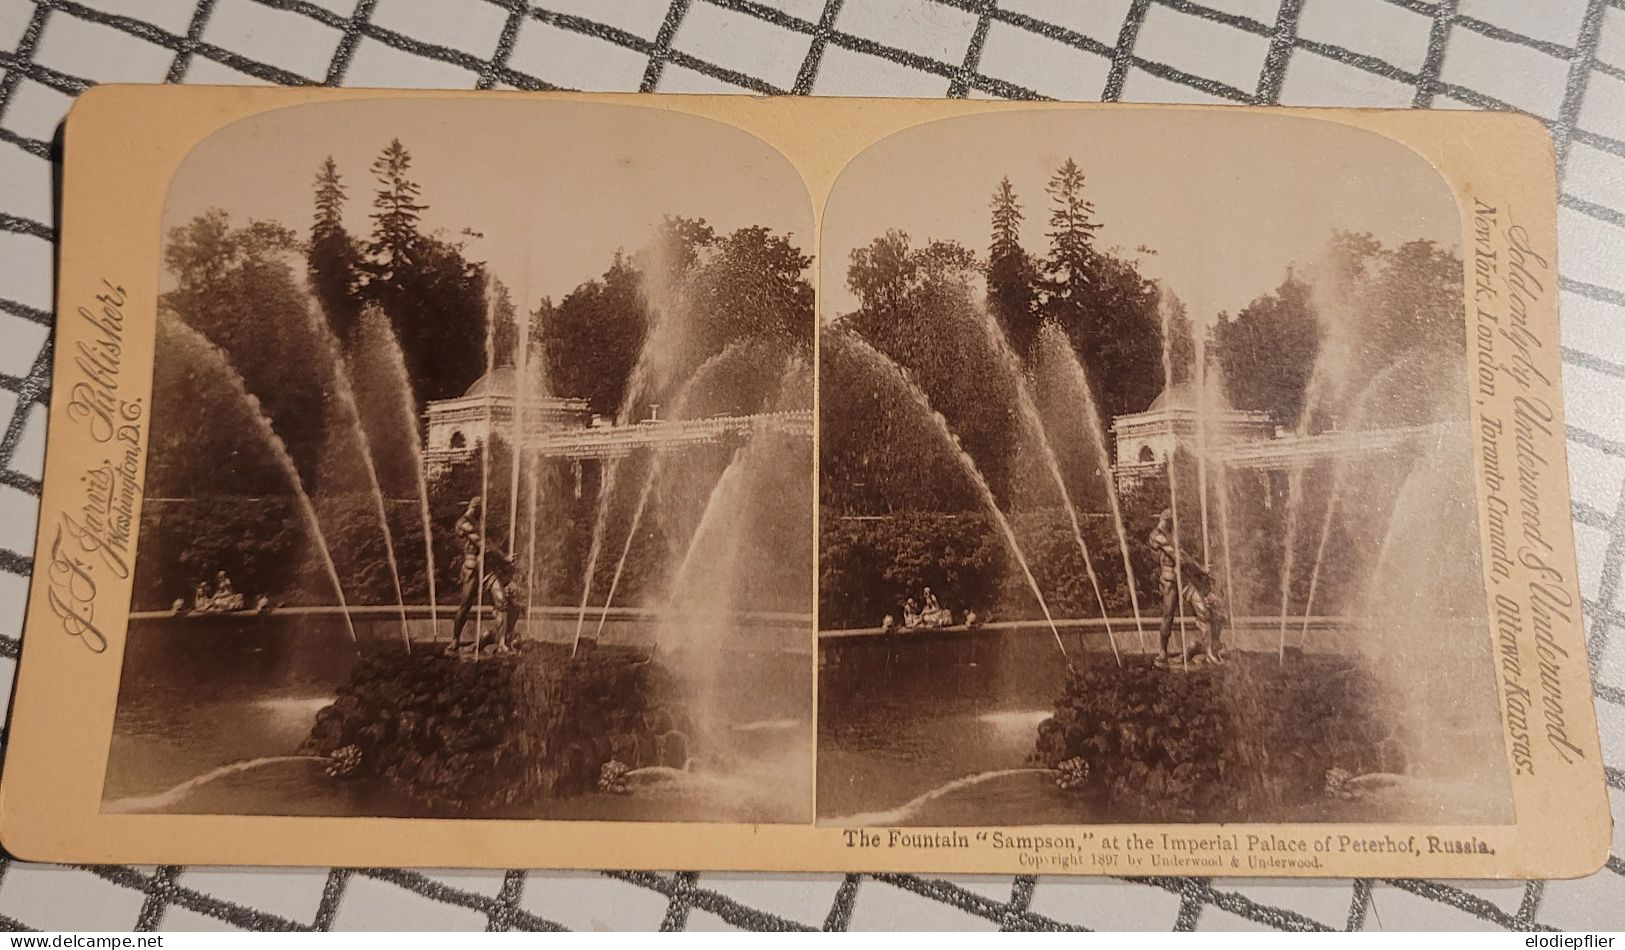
(213, 359)
(1339, 727)
(377, 336)
(344, 389)
(1035, 426)
(883, 369)
(1055, 350)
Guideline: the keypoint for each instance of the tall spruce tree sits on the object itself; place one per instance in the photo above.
(332, 259)
(396, 214)
(1072, 230)
(1012, 276)
(1107, 308)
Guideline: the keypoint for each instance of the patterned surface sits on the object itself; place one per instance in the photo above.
(1560, 60)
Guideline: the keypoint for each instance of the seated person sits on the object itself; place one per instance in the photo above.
(224, 597)
(935, 615)
(911, 614)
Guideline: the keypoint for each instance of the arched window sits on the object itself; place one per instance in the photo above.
(1146, 455)
(457, 440)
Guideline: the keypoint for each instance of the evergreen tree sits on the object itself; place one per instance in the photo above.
(1107, 308)
(1012, 277)
(333, 261)
(395, 220)
(1073, 227)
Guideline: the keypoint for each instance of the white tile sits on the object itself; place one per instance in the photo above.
(8, 672)
(55, 898)
(1592, 250)
(1610, 671)
(26, 276)
(101, 53)
(293, 893)
(843, 72)
(1611, 38)
(14, 20)
(35, 110)
(1314, 80)
(378, 64)
(13, 601)
(1263, 11)
(1377, 28)
(1589, 546)
(1105, 905)
(1507, 896)
(344, 8)
(1611, 726)
(473, 28)
(1579, 905)
(803, 898)
(181, 920)
(23, 341)
(1048, 67)
(30, 455)
(809, 10)
(1395, 909)
(203, 71)
(25, 185)
(281, 38)
(1595, 175)
(703, 921)
(1202, 47)
(923, 27)
(638, 17)
(1595, 478)
(19, 516)
(881, 906)
(488, 883)
(369, 904)
(994, 887)
(1555, 21)
(1591, 402)
(1603, 108)
(1325, 902)
(582, 900)
(1210, 919)
(1524, 78)
(681, 79)
(174, 16)
(576, 60)
(742, 43)
(1101, 20)
(1141, 86)
(1593, 326)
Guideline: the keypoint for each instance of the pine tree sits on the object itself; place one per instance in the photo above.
(1012, 278)
(395, 220)
(1071, 219)
(332, 259)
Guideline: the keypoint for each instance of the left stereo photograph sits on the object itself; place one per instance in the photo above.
(479, 475)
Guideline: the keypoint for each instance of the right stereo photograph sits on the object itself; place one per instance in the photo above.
(1146, 480)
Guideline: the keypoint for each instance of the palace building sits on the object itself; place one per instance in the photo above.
(566, 427)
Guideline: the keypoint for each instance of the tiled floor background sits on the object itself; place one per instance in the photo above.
(1560, 60)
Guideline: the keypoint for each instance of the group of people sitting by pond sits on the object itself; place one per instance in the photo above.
(1187, 587)
(926, 613)
(216, 597)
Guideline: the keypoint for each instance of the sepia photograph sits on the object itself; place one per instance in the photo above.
(1146, 480)
(480, 480)
(506, 479)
